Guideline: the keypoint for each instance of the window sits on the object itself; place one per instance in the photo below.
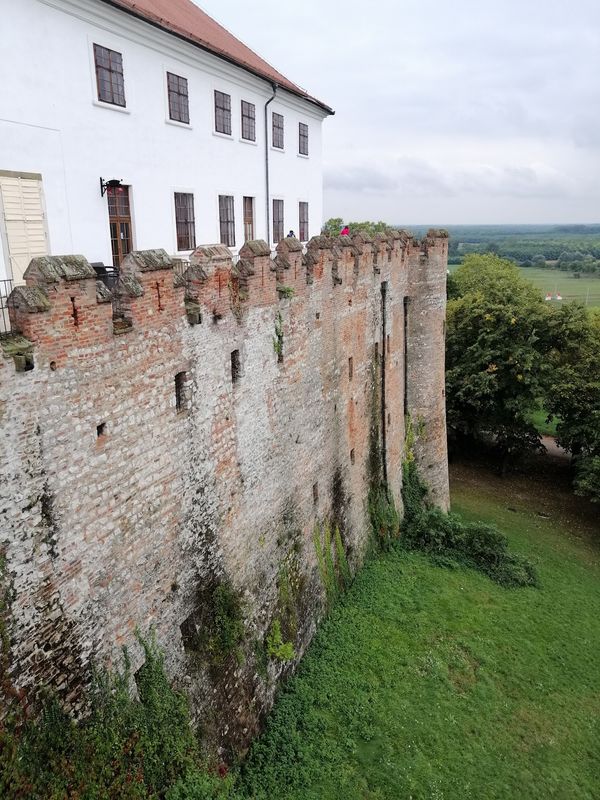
(277, 138)
(303, 138)
(352, 456)
(248, 121)
(236, 366)
(277, 220)
(180, 398)
(119, 220)
(248, 219)
(303, 219)
(184, 221)
(315, 493)
(350, 368)
(226, 220)
(223, 113)
(109, 75)
(179, 109)
(22, 221)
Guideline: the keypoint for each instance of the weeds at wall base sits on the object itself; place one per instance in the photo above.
(448, 539)
(126, 748)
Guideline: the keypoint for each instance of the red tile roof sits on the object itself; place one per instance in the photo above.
(185, 19)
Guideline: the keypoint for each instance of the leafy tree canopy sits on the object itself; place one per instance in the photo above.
(495, 367)
(334, 225)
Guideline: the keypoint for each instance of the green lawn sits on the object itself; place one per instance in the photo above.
(428, 682)
(539, 420)
(551, 280)
(584, 289)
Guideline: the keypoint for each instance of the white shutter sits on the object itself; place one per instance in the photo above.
(24, 222)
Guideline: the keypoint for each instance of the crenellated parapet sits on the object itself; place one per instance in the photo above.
(63, 305)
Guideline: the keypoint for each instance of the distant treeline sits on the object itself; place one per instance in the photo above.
(574, 248)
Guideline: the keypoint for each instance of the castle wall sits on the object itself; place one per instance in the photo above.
(125, 500)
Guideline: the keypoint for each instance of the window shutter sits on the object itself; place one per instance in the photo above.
(24, 222)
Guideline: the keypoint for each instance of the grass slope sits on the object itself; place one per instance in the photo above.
(428, 682)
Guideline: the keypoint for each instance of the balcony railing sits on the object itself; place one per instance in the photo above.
(6, 287)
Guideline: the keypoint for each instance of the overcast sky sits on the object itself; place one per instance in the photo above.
(447, 111)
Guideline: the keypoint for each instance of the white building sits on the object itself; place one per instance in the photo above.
(130, 125)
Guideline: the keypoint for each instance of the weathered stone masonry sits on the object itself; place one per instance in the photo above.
(128, 494)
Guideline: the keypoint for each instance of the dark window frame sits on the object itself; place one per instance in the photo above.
(248, 218)
(178, 96)
(227, 219)
(277, 131)
(110, 79)
(120, 223)
(185, 221)
(248, 121)
(303, 138)
(278, 220)
(303, 221)
(222, 112)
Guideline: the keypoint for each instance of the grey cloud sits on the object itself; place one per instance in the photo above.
(493, 106)
(358, 179)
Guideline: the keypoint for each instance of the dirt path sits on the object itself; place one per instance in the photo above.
(543, 486)
(554, 450)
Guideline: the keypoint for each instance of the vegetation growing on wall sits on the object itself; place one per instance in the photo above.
(449, 539)
(127, 748)
(331, 558)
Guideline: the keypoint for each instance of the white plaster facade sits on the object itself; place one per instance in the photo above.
(52, 125)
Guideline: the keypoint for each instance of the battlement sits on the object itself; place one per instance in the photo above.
(63, 304)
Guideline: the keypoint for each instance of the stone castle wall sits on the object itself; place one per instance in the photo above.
(128, 494)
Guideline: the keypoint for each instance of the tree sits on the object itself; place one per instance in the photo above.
(495, 366)
(332, 227)
(573, 390)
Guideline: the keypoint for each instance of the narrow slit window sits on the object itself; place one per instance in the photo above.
(236, 366)
(350, 368)
(180, 393)
(315, 491)
(352, 457)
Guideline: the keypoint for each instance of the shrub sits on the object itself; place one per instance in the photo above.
(447, 536)
(276, 647)
(227, 625)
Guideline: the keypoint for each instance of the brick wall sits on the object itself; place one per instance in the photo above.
(126, 499)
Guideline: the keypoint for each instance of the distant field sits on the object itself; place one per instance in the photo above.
(553, 280)
(550, 280)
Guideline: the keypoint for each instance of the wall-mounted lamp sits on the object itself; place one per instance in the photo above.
(113, 183)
